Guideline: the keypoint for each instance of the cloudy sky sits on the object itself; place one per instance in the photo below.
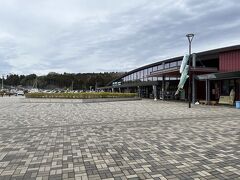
(44, 36)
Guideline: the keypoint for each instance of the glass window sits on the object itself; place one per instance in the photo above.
(155, 79)
(173, 64)
(160, 67)
(160, 78)
(172, 78)
(167, 65)
(138, 76)
(149, 72)
(145, 72)
(225, 88)
(179, 63)
(155, 68)
(150, 78)
(141, 75)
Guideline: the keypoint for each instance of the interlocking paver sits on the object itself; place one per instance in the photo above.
(118, 140)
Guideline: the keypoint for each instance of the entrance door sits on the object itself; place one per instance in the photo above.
(215, 90)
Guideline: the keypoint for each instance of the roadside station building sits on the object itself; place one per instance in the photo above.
(215, 73)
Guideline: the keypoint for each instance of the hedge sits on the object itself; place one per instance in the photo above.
(82, 95)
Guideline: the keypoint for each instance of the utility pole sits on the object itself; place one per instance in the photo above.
(190, 38)
(72, 85)
(96, 86)
(2, 81)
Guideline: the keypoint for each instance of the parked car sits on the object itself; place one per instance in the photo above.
(20, 93)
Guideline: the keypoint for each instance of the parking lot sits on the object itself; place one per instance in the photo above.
(118, 140)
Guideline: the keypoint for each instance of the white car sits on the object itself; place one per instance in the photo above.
(20, 93)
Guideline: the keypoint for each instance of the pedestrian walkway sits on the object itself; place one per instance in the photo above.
(118, 140)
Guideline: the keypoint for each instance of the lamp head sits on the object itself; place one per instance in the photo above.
(190, 37)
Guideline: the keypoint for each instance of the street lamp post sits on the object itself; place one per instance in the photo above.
(190, 38)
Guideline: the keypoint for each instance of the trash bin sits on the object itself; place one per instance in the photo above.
(238, 104)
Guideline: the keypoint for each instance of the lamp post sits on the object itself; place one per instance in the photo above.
(190, 38)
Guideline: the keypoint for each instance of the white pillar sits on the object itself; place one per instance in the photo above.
(193, 89)
(155, 92)
(163, 87)
(193, 79)
(207, 91)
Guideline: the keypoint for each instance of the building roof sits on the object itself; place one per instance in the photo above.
(214, 53)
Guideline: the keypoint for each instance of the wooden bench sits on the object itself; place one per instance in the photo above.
(226, 100)
(208, 102)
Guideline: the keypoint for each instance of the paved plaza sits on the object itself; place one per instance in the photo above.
(118, 140)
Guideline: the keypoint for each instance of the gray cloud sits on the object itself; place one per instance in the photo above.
(89, 36)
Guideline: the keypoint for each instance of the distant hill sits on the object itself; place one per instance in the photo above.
(80, 81)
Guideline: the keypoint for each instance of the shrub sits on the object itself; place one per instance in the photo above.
(82, 95)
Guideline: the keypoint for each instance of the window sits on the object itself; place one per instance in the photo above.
(155, 68)
(173, 64)
(149, 72)
(167, 65)
(160, 67)
(225, 88)
(142, 74)
(179, 63)
(145, 74)
(138, 75)
(132, 78)
(172, 78)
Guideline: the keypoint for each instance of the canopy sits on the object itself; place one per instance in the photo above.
(219, 76)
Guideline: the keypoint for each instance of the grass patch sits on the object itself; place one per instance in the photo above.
(83, 95)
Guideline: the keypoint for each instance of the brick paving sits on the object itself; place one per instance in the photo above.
(118, 140)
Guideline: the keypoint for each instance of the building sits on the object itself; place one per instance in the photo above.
(215, 73)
